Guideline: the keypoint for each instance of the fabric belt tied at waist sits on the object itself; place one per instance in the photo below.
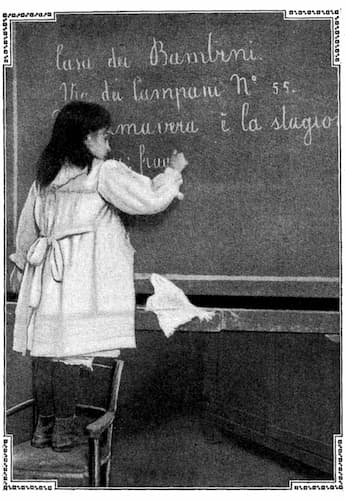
(37, 254)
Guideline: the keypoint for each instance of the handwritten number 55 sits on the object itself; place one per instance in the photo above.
(280, 87)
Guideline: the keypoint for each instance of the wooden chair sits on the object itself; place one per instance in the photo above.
(87, 464)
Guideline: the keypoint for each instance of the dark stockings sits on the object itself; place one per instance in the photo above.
(55, 387)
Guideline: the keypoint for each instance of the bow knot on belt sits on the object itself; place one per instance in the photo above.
(37, 255)
(38, 252)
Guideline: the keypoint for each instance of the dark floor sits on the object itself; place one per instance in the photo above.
(178, 453)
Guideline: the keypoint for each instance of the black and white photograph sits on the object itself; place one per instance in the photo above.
(172, 287)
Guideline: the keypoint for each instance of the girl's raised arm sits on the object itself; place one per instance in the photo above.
(137, 194)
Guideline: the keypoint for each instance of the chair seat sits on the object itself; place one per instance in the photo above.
(34, 463)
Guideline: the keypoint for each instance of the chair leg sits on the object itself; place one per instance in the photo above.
(107, 473)
(95, 473)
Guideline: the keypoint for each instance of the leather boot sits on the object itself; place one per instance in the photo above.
(42, 436)
(67, 434)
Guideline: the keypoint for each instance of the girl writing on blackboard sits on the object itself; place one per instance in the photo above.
(74, 261)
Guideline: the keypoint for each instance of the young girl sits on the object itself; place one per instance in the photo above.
(74, 262)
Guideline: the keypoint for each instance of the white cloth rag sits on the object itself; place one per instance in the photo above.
(171, 306)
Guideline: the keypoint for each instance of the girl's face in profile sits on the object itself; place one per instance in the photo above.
(98, 143)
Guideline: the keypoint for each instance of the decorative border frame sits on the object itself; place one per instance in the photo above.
(8, 40)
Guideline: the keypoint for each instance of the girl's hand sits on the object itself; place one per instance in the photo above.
(178, 161)
(15, 279)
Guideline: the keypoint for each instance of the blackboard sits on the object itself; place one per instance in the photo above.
(252, 101)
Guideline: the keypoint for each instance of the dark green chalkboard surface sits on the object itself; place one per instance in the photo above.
(252, 101)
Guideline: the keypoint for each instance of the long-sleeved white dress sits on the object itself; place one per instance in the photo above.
(77, 293)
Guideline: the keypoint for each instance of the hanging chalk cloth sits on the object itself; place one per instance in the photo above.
(171, 305)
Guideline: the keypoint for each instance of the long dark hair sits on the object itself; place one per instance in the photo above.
(72, 125)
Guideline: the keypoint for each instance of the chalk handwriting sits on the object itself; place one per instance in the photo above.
(151, 163)
(223, 123)
(160, 56)
(241, 84)
(71, 64)
(158, 128)
(249, 125)
(307, 123)
(218, 87)
(71, 92)
(174, 94)
(118, 61)
(111, 95)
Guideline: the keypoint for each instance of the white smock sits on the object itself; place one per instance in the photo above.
(77, 295)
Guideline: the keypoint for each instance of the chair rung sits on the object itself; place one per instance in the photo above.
(100, 365)
(105, 458)
(90, 407)
(19, 407)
